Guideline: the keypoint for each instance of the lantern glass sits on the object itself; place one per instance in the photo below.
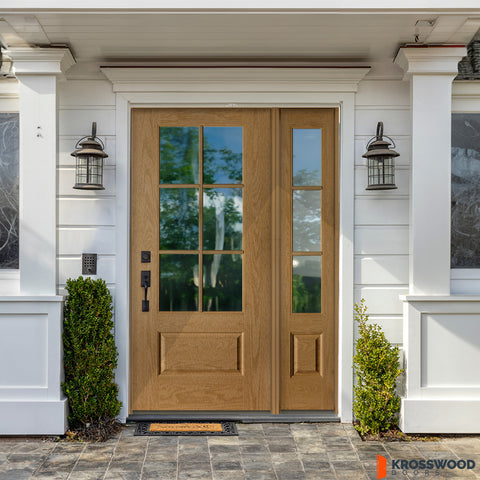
(381, 172)
(89, 172)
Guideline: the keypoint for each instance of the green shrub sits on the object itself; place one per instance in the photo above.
(90, 355)
(377, 367)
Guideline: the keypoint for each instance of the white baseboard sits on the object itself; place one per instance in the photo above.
(33, 417)
(440, 416)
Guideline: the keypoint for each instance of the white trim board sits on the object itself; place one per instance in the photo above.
(228, 88)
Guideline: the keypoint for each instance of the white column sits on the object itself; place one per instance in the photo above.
(37, 70)
(431, 71)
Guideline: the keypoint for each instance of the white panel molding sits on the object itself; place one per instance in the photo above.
(32, 401)
(460, 399)
(234, 87)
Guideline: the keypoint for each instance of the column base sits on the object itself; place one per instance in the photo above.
(33, 417)
(440, 416)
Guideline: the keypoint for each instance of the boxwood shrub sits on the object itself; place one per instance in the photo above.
(90, 354)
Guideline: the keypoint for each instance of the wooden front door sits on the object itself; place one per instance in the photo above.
(233, 232)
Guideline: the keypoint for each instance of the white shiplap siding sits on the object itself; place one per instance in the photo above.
(86, 219)
(382, 217)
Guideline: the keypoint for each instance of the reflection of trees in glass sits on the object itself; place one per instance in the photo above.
(465, 236)
(178, 282)
(306, 294)
(306, 220)
(179, 218)
(307, 177)
(222, 219)
(9, 245)
(222, 283)
(179, 155)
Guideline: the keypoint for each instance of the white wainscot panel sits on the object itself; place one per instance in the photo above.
(458, 365)
(75, 241)
(395, 122)
(66, 145)
(20, 334)
(402, 178)
(383, 93)
(79, 122)
(86, 211)
(381, 240)
(382, 300)
(72, 268)
(403, 146)
(66, 180)
(377, 270)
(85, 92)
(381, 211)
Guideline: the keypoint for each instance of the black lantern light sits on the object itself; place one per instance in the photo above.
(89, 169)
(381, 166)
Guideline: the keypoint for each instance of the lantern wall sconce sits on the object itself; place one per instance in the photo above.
(381, 163)
(89, 156)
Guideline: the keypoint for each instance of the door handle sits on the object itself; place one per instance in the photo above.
(145, 282)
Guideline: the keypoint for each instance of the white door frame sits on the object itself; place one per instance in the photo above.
(229, 87)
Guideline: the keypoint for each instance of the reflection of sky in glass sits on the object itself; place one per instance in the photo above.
(223, 167)
(307, 156)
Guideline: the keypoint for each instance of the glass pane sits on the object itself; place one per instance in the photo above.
(179, 155)
(307, 156)
(307, 284)
(179, 218)
(222, 219)
(222, 283)
(306, 220)
(465, 237)
(222, 155)
(9, 229)
(178, 283)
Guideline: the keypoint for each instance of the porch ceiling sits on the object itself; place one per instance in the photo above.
(122, 36)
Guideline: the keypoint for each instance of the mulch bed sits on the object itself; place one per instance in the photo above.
(99, 431)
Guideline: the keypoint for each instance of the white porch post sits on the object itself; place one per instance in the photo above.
(31, 359)
(36, 70)
(442, 393)
(431, 71)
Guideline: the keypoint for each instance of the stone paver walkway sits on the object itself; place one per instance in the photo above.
(260, 452)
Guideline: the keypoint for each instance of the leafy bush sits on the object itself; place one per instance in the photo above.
(90, 354)
(377, 367)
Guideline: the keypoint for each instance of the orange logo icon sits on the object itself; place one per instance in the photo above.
(381, 467)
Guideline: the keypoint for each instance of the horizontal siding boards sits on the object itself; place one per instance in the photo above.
(85, 93)
(380, 300)
(74, 241)
(381, 240)
(395, 122)
(402, 179)
(402, 146)
(465, 286)
(392, 326)
(381, 270)
(79, 121)
(66, 180)
(381, 93)
(86, 211)
(71, 267)
(381, 211)
(66, 145)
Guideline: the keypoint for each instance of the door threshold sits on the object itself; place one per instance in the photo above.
(289, 416)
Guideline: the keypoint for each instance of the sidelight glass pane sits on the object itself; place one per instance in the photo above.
(307, 156)
(179, 155)
(222, 219)
(179, 218)
(307, 284)
(178, 282)
(222, 155)
(465, 185)
(306, 220)
(222, 283)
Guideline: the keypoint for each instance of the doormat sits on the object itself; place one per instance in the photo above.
(178, 427)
